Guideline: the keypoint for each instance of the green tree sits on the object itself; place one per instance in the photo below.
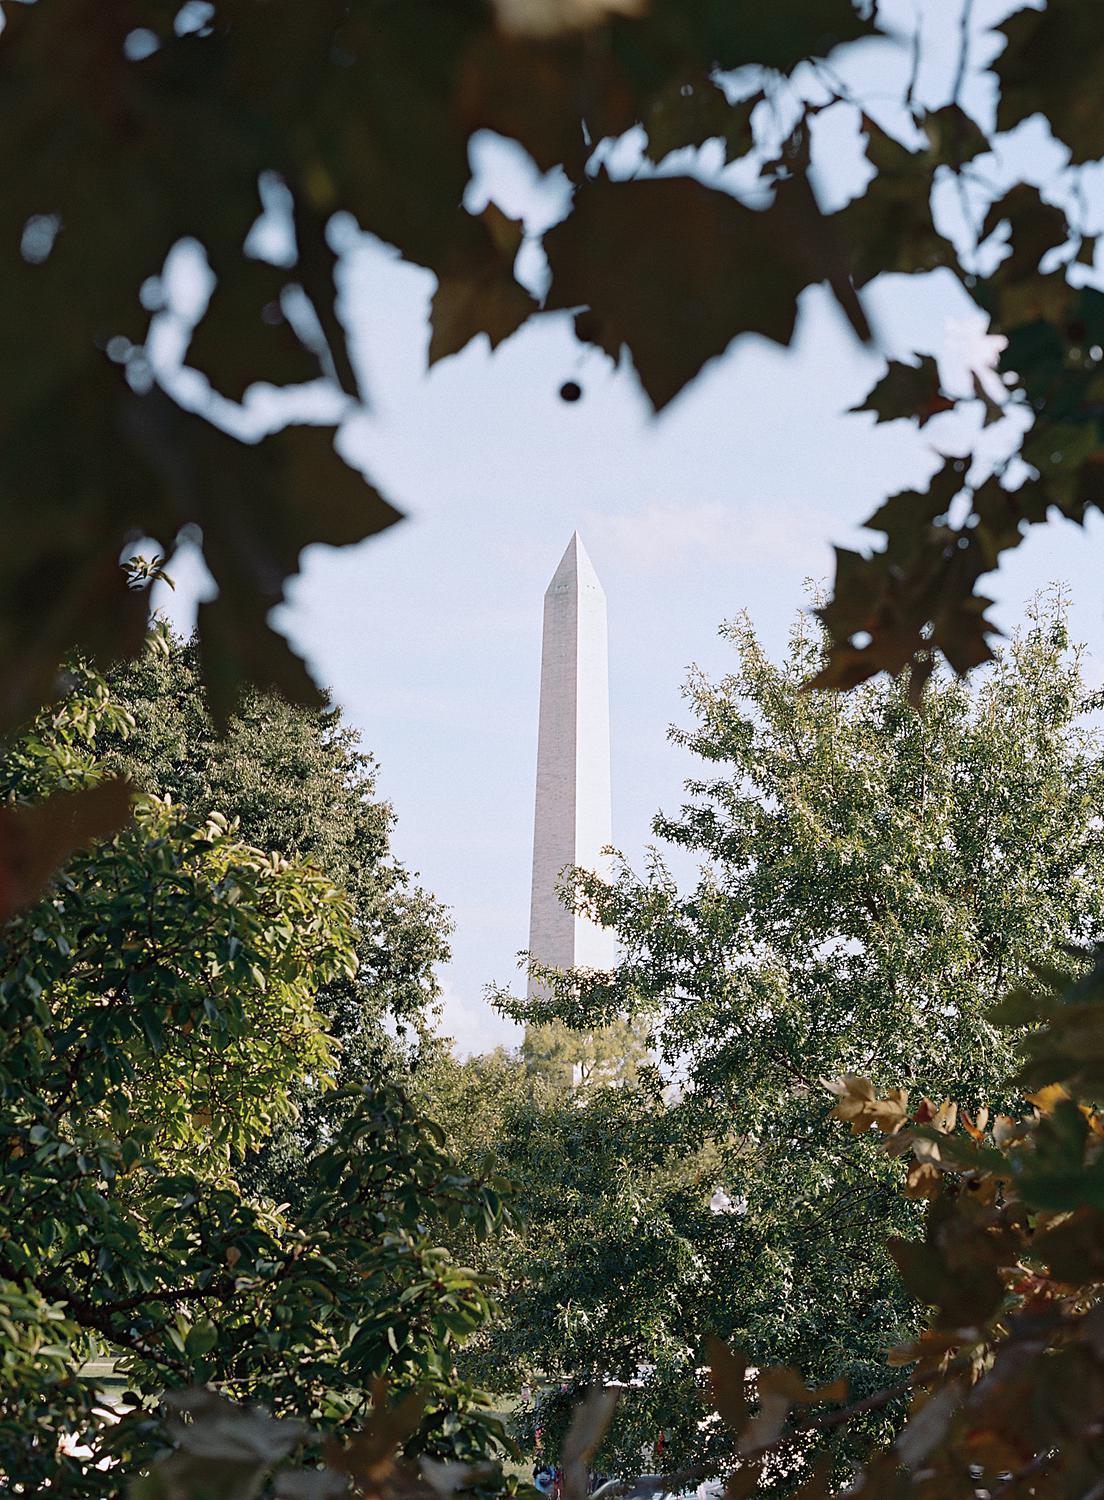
(297, 782)
(872, 880)
(572, 1060)
(605, 1270)
(160, 1009)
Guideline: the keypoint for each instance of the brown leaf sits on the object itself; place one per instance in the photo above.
(922, 1180)
(859, 1106)
(540, 94)
(780, 1389)
(35, 841)
(687, 113)
(478, 294)
(678, 300)
(927, 1425)
(908, 391)
(743, 1481)
(263, 346)
(1073, 1246)
(727, 1372)
(369, 1458)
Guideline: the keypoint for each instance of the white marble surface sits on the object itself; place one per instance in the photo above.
(572, 819)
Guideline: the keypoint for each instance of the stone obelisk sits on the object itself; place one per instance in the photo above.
(572, 821)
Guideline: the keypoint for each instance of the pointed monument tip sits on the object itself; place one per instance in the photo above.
(575, 565)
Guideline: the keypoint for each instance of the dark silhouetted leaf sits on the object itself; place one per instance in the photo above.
(588, 1427)
(676, 301)
(479, 294)
(908, 391)
(35, 841)
(890, 228)
(251, 505)
(726, 1379)
(1051, 65)
(687, 114)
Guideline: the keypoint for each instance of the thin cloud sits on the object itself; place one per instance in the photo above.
(666, 535)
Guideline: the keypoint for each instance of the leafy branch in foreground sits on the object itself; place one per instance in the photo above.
(1006, 1381)
(160, 1015)
(192, 121)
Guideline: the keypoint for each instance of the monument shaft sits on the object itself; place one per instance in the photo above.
(572, 820)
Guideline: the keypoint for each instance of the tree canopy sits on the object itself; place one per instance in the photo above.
(873, 880)
(162, 1011)
(297, 782)
(126, 130)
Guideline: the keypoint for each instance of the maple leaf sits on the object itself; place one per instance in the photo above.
(859, 1106)
(477, 293)
(678, 300)
(908, 390)
(1051, 65)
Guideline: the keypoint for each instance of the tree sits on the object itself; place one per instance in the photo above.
(370, 108)
(604, 1272)
(571, 1060)
(160, 1008)
(297, 782)
(873, 880)
(1004, 1384)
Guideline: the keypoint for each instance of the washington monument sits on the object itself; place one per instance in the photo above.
(572, 821)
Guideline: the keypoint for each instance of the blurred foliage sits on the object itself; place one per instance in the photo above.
(160, 1008)
(179, 119)
(1007, 1378)
(872, 878)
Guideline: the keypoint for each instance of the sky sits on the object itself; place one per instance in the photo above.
(429, 636)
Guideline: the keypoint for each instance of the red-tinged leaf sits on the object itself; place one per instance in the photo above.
(908, 391)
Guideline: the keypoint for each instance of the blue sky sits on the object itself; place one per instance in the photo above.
(430, 636)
